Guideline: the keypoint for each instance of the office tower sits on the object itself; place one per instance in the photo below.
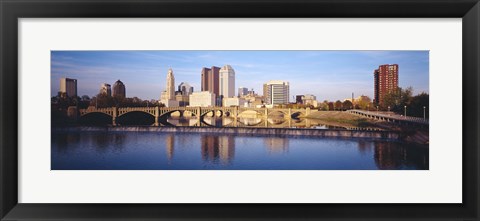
(276, 92)
(385, 81)
(106, 89)
(227, 82)
(242, 91)
(68, 87)
(185, 88)
(210, 80)
(168, 96)
(119, 90)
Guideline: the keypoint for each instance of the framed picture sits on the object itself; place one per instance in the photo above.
(239, 110)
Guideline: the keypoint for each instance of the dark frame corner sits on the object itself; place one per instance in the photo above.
(12, 10)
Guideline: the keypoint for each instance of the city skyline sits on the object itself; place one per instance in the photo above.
(329, 75)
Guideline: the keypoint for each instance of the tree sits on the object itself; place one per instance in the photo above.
(398, 99)
(347, 104)
(330, 106)
(364, 102)
(338, 105)
(417, 104)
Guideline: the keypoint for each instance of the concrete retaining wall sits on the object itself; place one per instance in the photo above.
(247, 131)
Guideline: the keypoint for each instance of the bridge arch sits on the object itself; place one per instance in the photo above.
(95, 118)
(136, 117)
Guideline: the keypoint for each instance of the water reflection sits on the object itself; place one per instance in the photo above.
(217, 149)
(271, 122)
(143, 150)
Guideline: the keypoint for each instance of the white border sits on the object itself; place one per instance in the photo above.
(441, 184)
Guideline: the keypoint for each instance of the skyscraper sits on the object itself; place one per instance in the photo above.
(227, 82)
(119, 90)
(68, 87)
(242, 91)
(106, 89)
(185, 88)
(168, 96)
(210, 80)
(385, 81)
(276, 92)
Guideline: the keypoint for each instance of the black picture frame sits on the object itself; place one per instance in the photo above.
(12, 10)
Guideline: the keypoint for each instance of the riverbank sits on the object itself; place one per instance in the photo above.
(344, 119)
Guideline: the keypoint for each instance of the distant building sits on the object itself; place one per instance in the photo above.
(185, 88)
(168, 96)
(253, 100)
(233, 102)
(202, 99)
(183, 100)
(251, 92)
(119, 90)
(106, 89)
(227, 82)
(385, 81)
(68, 87)
(210, 79)
(276, 92)
(309, 99)
(242, 91)
(299, 99)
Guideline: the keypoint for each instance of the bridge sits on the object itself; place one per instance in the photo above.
(164, 112)
(390, 117)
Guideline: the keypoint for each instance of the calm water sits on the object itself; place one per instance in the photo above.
(168, 151)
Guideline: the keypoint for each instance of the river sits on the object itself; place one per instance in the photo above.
(108, 150)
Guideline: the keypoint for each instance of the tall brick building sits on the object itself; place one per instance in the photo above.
(385, 81)
(210, 80)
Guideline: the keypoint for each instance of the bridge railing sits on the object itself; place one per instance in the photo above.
(393, 117)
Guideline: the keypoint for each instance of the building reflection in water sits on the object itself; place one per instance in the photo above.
(391, 156)
(277, 144)
(216, 149)
(169, 146)
(364, 147)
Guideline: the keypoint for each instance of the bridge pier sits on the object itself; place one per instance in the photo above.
(157, 116)
(114, 116)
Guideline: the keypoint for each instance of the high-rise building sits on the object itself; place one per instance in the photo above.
(385, 81)
(106, 89)
(276, 92)
(119, 90)
(68, 87)
(242, 91)
(168, 96)
(227, 82)
(210, 80)
(185, 88)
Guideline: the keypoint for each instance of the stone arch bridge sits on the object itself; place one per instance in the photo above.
(164, 112)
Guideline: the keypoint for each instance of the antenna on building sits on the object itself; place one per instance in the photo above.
(353, 102)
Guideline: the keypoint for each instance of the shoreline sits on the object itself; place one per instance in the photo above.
(294, 132)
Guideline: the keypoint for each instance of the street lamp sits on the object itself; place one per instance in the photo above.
(405, 107)
(377, 108)
(388, 109)
(423, 112)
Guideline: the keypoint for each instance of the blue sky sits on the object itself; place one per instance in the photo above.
(330, 75)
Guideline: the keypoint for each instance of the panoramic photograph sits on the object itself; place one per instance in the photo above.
(239, 110)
